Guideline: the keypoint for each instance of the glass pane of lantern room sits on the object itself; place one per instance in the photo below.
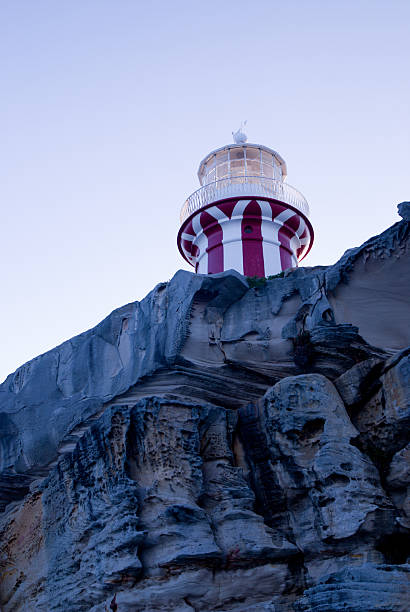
(222, 156)
(222, 170)
(237, 153)
(252, 153)
(253, 167)
(211, 176)
(277, 173)
(267, 170)
(237, 168)
(210, 164)
(267, 158)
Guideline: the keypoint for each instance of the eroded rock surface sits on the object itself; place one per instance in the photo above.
(219, 447)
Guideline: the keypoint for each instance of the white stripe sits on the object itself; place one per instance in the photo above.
(196, 224)
(284, 216)
(301, 227)
(203, 261)
(271, 253)
(232, 237)
(201, 241)
(295, 242)
(266, 209)
(189, 237)
(217, 213)
(233, 255)
(280, 220)
(239, 208)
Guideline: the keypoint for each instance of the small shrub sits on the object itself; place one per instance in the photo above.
(260, 281)
(256, 281)
(279, 275)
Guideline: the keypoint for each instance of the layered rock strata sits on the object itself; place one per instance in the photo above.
(219, 446)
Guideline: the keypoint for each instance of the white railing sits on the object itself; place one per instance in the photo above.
(244, 186)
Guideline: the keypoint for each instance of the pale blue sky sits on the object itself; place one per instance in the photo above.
(107, 108)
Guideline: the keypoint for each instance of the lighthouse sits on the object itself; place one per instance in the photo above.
(244, 216)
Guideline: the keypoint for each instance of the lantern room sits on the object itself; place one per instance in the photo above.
(237, 161)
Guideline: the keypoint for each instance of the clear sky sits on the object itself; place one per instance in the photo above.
(107, 108)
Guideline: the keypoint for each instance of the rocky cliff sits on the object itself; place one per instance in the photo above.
(224, 444)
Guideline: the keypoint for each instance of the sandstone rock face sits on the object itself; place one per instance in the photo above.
(219, 447)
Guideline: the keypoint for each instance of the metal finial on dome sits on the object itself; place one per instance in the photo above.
(239, 137)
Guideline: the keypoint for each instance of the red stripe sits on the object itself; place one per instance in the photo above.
(215, 250)
(276, 209)
(227, 207)
(187, 244)
(252, 250)
(285, 258)
(189, 229)
(293, 223)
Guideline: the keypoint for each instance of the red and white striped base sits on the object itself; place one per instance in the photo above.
(256, 237)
